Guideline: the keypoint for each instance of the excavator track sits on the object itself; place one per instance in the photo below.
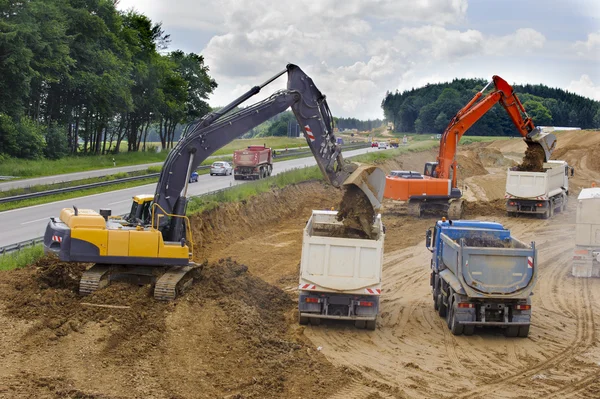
(96, 277)
(456, 210)
(174, 282)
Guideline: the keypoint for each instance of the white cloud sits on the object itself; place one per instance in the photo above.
(585, 87)
(356, 50)
(591, 47)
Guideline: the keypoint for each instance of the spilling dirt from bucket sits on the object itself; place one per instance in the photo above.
(356, 211)
(534, 158)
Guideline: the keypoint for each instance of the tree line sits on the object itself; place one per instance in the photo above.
(429, 109)
(80, 76)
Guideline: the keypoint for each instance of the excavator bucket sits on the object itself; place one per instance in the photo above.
(371, 181)
(546, 140)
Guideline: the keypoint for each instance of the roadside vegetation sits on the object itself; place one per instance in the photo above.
(21, 258)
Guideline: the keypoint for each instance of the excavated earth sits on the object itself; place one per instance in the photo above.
(235, 334)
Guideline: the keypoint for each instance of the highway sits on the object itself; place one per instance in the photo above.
(27, 223)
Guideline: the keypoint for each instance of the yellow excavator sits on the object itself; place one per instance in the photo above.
(153, 243)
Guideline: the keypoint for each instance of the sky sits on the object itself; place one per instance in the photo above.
(357, 50)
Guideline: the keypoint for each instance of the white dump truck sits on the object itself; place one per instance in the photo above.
(340, 272)
(586, 256)
(540, 193)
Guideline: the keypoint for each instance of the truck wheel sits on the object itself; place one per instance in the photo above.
(512, 331)
(468, 330)
(360, 324)
(303, 320)
(524, 331)
(315, 321)
(455, 327)
(371, 324)
(442, 310)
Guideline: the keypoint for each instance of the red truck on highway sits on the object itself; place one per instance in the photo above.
(254, 162)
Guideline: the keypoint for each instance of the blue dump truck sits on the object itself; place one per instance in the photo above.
(481, 276)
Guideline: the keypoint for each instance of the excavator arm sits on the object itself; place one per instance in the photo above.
(473, 111)
(215, 130)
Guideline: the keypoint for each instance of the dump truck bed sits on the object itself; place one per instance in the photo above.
(336, 260)
(489, 264)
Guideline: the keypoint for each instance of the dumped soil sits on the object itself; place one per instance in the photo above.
(230, 335)
(356, 212)
(534, 158)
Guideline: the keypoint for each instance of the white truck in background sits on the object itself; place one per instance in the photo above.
(340, 275)
(586, 255)
(540, 193)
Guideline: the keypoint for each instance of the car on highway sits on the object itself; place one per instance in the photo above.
(194, 177)
(221, 168)
(382, 145)
(374, 144)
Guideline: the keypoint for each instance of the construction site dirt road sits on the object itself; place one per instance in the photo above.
(235, 333)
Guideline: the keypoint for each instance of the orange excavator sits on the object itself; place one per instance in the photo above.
(436, 189)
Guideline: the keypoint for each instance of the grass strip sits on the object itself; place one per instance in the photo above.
(21, 258)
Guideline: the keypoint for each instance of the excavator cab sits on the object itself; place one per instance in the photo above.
(430, 169)
(141, 210)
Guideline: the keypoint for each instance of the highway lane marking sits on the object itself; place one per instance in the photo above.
(119, 202)
(37, 220)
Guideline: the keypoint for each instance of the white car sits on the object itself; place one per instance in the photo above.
(221, 168)
(382, 145)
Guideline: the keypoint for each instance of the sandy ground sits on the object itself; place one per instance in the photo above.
(235, 334)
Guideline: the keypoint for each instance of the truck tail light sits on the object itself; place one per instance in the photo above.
(539, 204)
(466, 305)
(312, 300)
(577, 257)
(365, 303)
(523, 307)
(511, 203)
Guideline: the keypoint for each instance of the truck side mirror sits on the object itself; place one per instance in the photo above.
(428, 240)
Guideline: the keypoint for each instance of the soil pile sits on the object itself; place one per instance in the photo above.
(495, 207)
(492, 157)
(533, 161)
(356, 211)
(470, 165)
(231, 335)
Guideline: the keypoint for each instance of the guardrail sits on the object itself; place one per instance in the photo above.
(24, 244)
(280, 154)
(20, 245)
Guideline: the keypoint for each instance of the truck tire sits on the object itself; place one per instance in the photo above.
(468, 330)
(303, 320)
(371, 325)
(455, 327)
(360, 324)
(315, 321)
(511, 331)
(442, 310)
(524, 331)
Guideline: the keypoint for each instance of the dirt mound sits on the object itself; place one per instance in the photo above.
(238, 330)
(492, 157)
(469, 165)
(495, 207)
(356, 211)
(533, 160)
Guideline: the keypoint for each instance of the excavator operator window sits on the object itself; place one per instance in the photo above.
(430, 168)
